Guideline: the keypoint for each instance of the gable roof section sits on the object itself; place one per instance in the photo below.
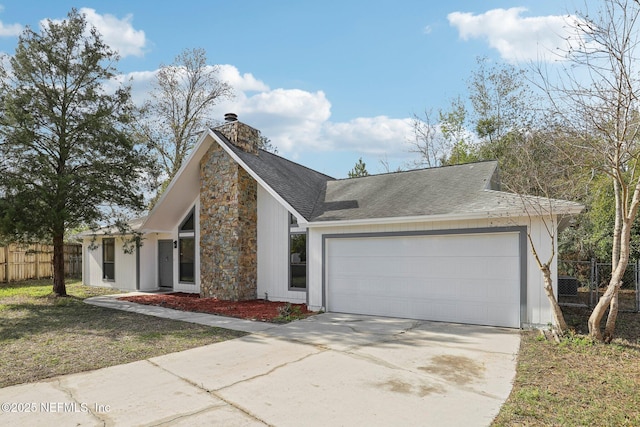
(298, 185)
(463, 190)
(180, 193)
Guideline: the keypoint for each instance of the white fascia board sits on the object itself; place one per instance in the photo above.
(301, 220)
(432, 218)
(548, 206)
(396, 220)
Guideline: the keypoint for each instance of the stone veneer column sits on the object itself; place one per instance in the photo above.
(228, 220)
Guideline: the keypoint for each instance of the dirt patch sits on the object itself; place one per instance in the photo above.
(457, 369)
(261, 310)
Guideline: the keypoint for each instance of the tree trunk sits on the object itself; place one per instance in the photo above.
(558, 317)
(59, 287)
(619, 262)
(605, 302)
(610, 326)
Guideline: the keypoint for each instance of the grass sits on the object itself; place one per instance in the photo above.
(42, 336)
(577, 382)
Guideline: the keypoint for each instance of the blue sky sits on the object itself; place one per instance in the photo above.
(328, 82)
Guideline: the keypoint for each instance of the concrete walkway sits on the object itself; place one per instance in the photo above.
(330, 369)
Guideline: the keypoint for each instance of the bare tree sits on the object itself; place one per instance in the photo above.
(446, 142)
(427, 142)
(542, 187)
(181, 101)
(595, 96)
(501, 99)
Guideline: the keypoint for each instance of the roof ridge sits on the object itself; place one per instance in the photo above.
(418, 170)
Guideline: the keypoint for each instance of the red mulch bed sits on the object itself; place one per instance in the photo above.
(265, 311)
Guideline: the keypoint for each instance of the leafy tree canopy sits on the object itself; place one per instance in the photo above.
(66, 150)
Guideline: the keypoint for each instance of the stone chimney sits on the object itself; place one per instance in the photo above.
(242, 136)
(229, 218)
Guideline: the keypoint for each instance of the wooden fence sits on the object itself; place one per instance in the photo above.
(35, 261)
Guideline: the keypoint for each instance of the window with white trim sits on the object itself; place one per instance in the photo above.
(187, 249)
(297, 256)
(109, 258)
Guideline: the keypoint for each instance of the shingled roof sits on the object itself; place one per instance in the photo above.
(298, 185)
(423, 192)
(469, 189)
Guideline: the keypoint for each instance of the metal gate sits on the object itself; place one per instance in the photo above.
(581, 283)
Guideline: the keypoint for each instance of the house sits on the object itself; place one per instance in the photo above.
(238, 223)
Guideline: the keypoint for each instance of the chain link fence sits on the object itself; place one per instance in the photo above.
(581, 283)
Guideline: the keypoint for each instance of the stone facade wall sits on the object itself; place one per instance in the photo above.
(242, 136)
(228, 227)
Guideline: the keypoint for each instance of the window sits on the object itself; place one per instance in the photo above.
(108, 259)
(187, 249)
(298, 261)
(187, 259)
(187, 224)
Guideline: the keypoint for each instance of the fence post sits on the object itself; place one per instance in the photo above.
(37, 254)
(637, 279)
(7, 270)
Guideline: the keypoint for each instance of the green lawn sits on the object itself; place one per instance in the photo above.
(574, 383)
(43, 336)
(577, 382)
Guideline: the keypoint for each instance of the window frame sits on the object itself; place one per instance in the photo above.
(109, 241)
(295, 230)
(187, 234)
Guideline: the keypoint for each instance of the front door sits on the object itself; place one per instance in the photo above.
(165, 264)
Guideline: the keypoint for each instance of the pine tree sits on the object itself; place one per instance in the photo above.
(66, 152)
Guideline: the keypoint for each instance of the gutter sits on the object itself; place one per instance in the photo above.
(520, 213)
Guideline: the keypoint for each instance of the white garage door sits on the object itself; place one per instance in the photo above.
(472, 278)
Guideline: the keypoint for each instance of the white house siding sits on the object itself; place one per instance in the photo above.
(538, 311)
(538, 308)
(125, 266)
(148, 262)
(86, 263)
(273, 251)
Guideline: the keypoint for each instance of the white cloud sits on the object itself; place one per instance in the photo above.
(291, 118)
(296, 121)
(379, 135)
(9, 30)
(119, 34)
(140, 82)
(515, 37)
(241, 82)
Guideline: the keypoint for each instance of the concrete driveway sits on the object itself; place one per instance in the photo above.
(331, 369)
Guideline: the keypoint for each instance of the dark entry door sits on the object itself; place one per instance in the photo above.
(165, 263)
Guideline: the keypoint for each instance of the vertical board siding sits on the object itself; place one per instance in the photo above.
(35, 261)
(125, 265)
(149, 263)
(273, 251)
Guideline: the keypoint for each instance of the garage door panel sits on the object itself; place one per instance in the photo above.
(425, 277)
(439, 266)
